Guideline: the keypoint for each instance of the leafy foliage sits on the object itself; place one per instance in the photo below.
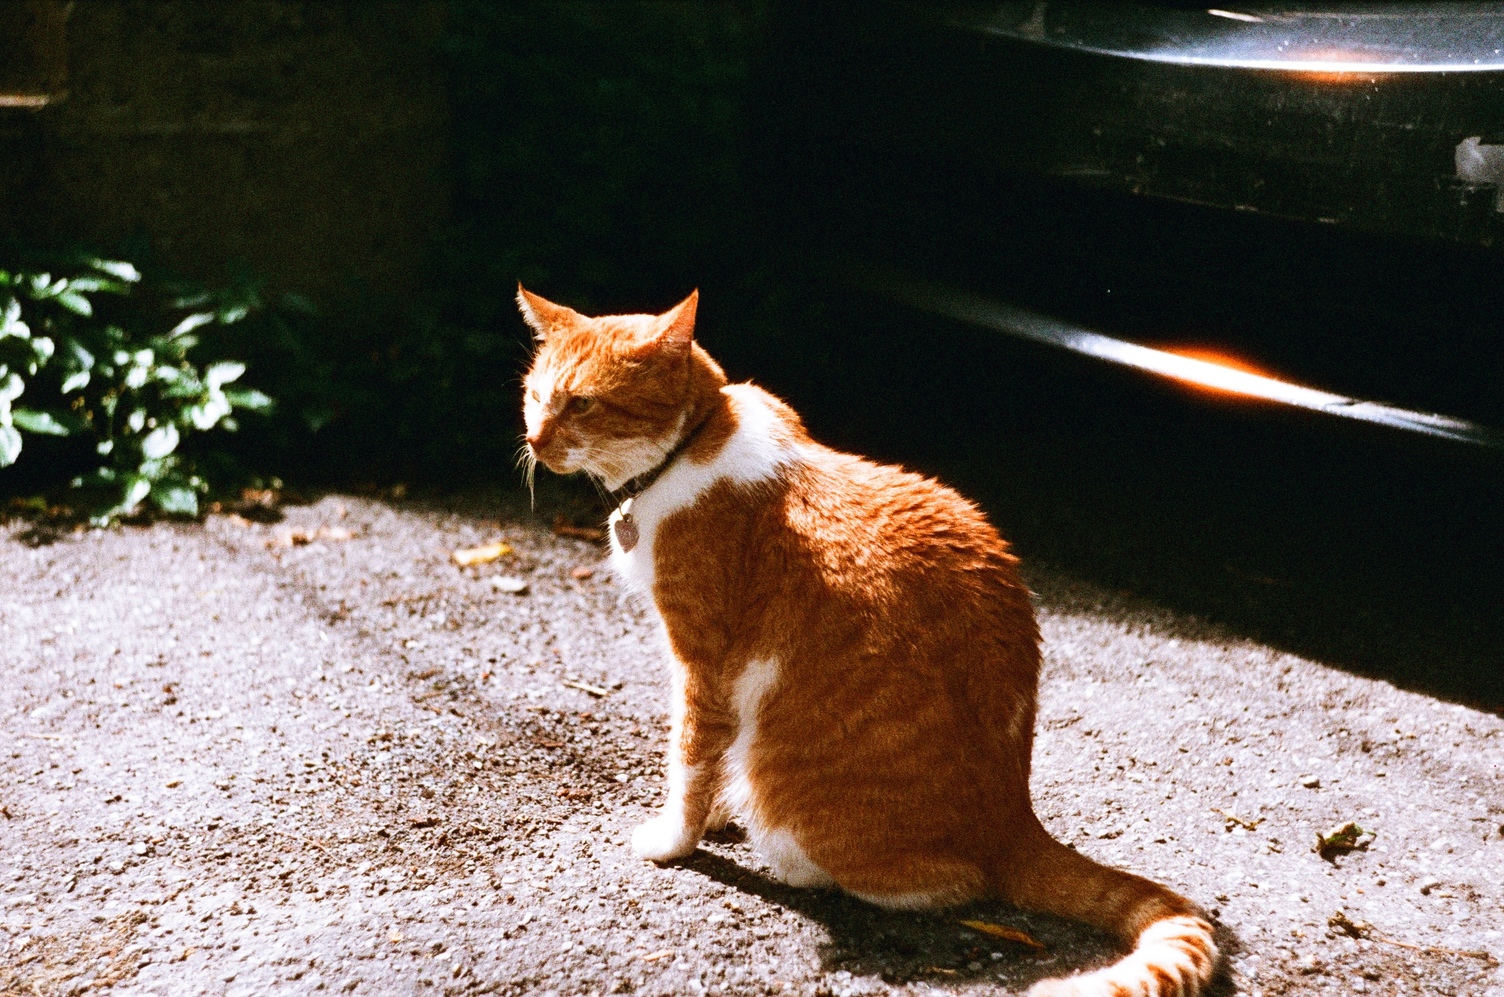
(92, 367)
(597, 153)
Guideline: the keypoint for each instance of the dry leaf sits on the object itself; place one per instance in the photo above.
(582, 573)
(1250, 823)
(301, 538)
(655, 956)
(564, 528)
(1343, 924)
(1006, 933)
(1342, 839)
(394, 936)
(1347, 926)
(481, 555)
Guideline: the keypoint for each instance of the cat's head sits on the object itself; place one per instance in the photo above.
(610, 396)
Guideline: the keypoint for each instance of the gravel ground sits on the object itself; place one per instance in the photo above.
(315, 755)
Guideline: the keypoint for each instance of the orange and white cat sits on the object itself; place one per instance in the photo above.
(854, 659)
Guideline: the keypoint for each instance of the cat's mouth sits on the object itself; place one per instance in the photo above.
(573, 460)
(613, 467)
(567, 462)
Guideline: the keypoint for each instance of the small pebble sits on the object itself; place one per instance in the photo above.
(509, 584)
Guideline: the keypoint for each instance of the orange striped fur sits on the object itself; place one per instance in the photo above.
(853, 657)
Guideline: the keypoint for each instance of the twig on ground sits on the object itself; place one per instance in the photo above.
(1362, 929)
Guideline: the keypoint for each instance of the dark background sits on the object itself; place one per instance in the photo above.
(402, 165)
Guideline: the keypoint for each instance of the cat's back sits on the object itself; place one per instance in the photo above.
(757, 468)
(789, 534)
(859, 522)
(881, 518)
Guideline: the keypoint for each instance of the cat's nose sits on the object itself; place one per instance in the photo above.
(540, 439)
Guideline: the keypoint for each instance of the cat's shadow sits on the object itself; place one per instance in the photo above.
(903, 946)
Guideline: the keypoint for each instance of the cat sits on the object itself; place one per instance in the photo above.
(854, 659)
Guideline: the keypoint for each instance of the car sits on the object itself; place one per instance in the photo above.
(1299, 207)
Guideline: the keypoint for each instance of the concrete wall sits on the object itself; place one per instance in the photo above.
(305, 140)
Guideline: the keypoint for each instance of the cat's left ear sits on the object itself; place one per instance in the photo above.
(676, 328)
(543, 316)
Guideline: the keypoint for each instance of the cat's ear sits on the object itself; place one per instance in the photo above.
(676, 327)
(542, 315)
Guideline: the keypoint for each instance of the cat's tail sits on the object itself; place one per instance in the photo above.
(1173, 952)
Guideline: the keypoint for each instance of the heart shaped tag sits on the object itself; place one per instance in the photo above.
(625, 529)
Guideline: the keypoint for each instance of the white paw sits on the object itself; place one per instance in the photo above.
(662, 839)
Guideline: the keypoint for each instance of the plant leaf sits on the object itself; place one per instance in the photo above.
(37, 421)
(11, 387)
(136, 489)
(10, 445)
(208, 414)
(223, 373)
(11, 324)
(78, 354)
(93, 284)
(160, 442)
(191, 322)
(116, 268)
(249, 399)
(175, 498)
(41, 351)
(75, 303)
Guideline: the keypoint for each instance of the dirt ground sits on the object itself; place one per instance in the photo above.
(314, 754)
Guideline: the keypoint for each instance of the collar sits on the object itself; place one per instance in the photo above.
(636, 486)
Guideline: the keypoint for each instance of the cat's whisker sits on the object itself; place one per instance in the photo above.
(527, 461)
(600, 489)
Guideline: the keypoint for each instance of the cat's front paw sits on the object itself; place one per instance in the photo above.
(718, 819)
(663, 839)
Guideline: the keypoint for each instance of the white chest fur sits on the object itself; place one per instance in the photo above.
(754, 452)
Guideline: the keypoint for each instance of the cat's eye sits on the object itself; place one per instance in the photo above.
(581, 403)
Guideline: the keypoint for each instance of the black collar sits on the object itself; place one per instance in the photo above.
(645, 480)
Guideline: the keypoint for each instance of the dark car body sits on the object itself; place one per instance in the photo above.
(1311, 197)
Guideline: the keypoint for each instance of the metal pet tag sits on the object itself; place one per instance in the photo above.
(626, 532)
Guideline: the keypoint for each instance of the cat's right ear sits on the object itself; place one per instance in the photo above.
(543, 316)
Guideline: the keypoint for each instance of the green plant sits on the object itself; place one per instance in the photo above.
(93, 365)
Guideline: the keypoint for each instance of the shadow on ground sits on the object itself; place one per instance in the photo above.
(904, 946)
